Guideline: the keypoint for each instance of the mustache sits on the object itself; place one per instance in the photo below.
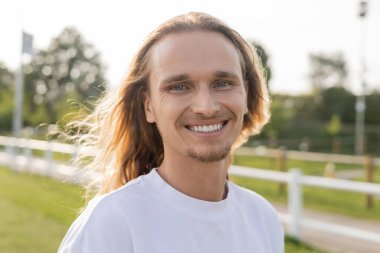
(219, 116)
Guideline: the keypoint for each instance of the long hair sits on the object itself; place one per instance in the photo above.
(127, 145)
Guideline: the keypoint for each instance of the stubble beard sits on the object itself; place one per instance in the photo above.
(210, 156)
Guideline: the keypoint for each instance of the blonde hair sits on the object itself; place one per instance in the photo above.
(127, 145)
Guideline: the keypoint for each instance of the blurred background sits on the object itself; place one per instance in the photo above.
(320, 57)
(322, 60)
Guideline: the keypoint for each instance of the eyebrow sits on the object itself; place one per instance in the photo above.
(176, 78)
(183, 77)
(225, 74)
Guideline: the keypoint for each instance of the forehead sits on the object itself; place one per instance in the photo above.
(194, 53)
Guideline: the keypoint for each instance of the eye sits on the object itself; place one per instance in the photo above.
(222, 85)
(178, 88)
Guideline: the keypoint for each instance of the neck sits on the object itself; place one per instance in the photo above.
(205, 181)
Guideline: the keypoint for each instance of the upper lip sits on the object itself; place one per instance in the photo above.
(206, 123)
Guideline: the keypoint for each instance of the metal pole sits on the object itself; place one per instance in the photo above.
(360, 99)
(26, 48)
(19, 90)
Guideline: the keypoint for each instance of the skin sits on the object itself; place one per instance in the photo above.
(196, 80)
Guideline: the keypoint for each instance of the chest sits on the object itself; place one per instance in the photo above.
(175, 232)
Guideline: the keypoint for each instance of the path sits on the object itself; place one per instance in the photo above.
(335, 243)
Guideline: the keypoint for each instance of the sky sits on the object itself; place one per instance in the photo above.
(289, 31)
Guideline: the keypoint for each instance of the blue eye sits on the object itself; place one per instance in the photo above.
(178, 88)
(223, 85)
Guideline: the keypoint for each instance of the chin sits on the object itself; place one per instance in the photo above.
(210, 157)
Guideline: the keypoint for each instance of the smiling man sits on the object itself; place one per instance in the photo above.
(193, 93)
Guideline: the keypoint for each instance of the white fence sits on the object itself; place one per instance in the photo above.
(305, 156)
(294, 179)
(17, 153)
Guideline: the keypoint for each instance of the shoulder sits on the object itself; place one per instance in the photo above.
(103, 225)
(255, 207)
(259, 212)
(113, 203)
(251, 198)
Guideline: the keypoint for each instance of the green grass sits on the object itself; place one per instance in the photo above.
(307, 167)
(61, 157)
(36, 213)
(294, 246)
(339, 202)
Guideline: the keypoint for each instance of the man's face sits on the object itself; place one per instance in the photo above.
(197, 95)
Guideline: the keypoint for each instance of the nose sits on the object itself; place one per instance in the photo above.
(204, 102)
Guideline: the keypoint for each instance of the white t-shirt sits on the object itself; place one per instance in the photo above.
(147, 215)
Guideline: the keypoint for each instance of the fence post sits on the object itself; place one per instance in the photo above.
(28, 154)
(281, 165)
(295, 202)
(15, 145)
(49, 158)
(11, 153)
(75, 154)
(368, 163)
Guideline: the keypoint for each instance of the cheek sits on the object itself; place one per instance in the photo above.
(168, 110)
(238, 101)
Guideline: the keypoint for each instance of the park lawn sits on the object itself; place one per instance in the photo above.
(339, 202)
(61, 157)
(37, 211)
(307, 167)
(294, 246)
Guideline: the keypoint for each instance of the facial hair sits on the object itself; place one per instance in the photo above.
(211, 156)
(215, 153)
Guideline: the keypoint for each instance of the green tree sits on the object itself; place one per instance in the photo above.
(336, 101)
(327, 71)
(372, 115)
(306, 106)
(6, 98)
(282, 113)
(334, 126)
(70, 68)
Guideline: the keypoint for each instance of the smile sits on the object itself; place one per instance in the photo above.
(206, 128)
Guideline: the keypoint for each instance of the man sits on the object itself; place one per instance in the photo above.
(194, 92)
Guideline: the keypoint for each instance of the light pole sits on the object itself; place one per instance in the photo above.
(360, 98)
(26, 49)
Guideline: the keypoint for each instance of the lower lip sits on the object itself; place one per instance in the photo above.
(210, 134)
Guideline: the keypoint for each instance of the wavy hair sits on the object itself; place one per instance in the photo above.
(127, 145)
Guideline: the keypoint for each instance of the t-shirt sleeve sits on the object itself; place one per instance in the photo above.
(100, 228)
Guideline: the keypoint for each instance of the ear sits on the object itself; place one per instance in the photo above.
(245, 108)
(149, 113)
(246, 97)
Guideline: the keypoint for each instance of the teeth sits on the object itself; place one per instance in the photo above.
(206, 128)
